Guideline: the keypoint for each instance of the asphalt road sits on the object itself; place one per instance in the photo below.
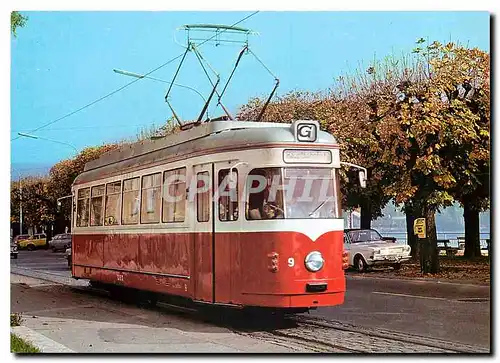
(452, 312)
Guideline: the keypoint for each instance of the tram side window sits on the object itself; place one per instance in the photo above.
(202, 197)
(96, 205)
(228, 198)
(131, 201)
(174, 195)
(82, 208)
(151, 193)
(265, 194)
(112, 205)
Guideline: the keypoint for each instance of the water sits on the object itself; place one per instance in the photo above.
(449, 224)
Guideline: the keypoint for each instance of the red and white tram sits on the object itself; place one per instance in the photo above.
(161, 216)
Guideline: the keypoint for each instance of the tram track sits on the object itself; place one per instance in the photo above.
(299, 332)
(334, 338)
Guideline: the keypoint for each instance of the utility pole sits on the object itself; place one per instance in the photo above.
(20, 201)
(20, 205)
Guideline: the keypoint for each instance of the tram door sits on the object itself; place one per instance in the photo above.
(227, 226)
(202, 216)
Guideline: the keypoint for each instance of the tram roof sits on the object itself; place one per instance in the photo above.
(209, 135)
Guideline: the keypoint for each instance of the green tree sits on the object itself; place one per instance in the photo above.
(17, 20)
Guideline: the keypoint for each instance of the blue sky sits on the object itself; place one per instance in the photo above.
(63, 60)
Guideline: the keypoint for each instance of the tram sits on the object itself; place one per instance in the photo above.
(241, 214)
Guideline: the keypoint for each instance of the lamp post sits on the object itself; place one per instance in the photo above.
(20, 202)
(47, 139)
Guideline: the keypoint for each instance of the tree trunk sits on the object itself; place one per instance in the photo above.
(411, 238)
(472, 241)
(429, 258)
(366, 214)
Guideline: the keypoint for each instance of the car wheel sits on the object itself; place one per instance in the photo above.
(31, 247)
(360, 264)
(54, 250)
(396, 266)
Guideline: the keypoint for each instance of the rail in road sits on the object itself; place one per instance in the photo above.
(297, 332)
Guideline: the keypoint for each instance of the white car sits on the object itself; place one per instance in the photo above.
(368, 248)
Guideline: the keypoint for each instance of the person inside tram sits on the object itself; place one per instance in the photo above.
(256, 204)
(259, 206)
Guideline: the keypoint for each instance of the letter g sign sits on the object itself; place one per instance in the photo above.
(306, 132)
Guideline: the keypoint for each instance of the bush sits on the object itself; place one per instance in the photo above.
(15, 319)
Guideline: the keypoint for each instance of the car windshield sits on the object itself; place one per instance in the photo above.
(364, 235)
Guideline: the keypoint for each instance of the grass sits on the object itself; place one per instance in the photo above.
(17, 345)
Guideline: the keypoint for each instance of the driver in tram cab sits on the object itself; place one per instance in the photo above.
(256, 203)
(256, 200)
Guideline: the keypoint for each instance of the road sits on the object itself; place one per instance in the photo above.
(452, 312)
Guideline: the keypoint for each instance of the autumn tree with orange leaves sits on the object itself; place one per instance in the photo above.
(420, 125)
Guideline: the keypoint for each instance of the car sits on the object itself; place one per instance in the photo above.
(67, 254)
(31, 242)
(367, 248)
(13, 248)
(60, 242)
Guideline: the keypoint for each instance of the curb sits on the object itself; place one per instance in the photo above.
(418, 280)
(46, 345)
(47, 276)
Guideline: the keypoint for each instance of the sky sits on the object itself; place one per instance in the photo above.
(61, 61)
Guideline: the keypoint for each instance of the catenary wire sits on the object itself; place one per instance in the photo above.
(128, 84)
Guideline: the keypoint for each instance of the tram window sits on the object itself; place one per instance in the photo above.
(174, 201)
(96, 205)
(202, 198)
(293, 193)
(82, 207)
(131, 201)
(265, 201)
(310, 193)
(228, 200)
(151, 197)
(112, 205)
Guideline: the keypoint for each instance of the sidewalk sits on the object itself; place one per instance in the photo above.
(56, 319)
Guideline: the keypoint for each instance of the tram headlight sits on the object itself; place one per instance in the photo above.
(314, 261)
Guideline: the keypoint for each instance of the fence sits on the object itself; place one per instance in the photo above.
(453, 237)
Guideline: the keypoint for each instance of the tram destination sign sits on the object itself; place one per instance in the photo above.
(296, 156)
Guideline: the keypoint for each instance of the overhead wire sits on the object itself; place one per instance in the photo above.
(130, 83)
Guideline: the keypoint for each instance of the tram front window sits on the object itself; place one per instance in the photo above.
(293, 193)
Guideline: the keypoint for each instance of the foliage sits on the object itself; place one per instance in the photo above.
(15, 319)
(153, 132)
(17, 345)
(34, 195)
(17, 20)
(40, 194)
